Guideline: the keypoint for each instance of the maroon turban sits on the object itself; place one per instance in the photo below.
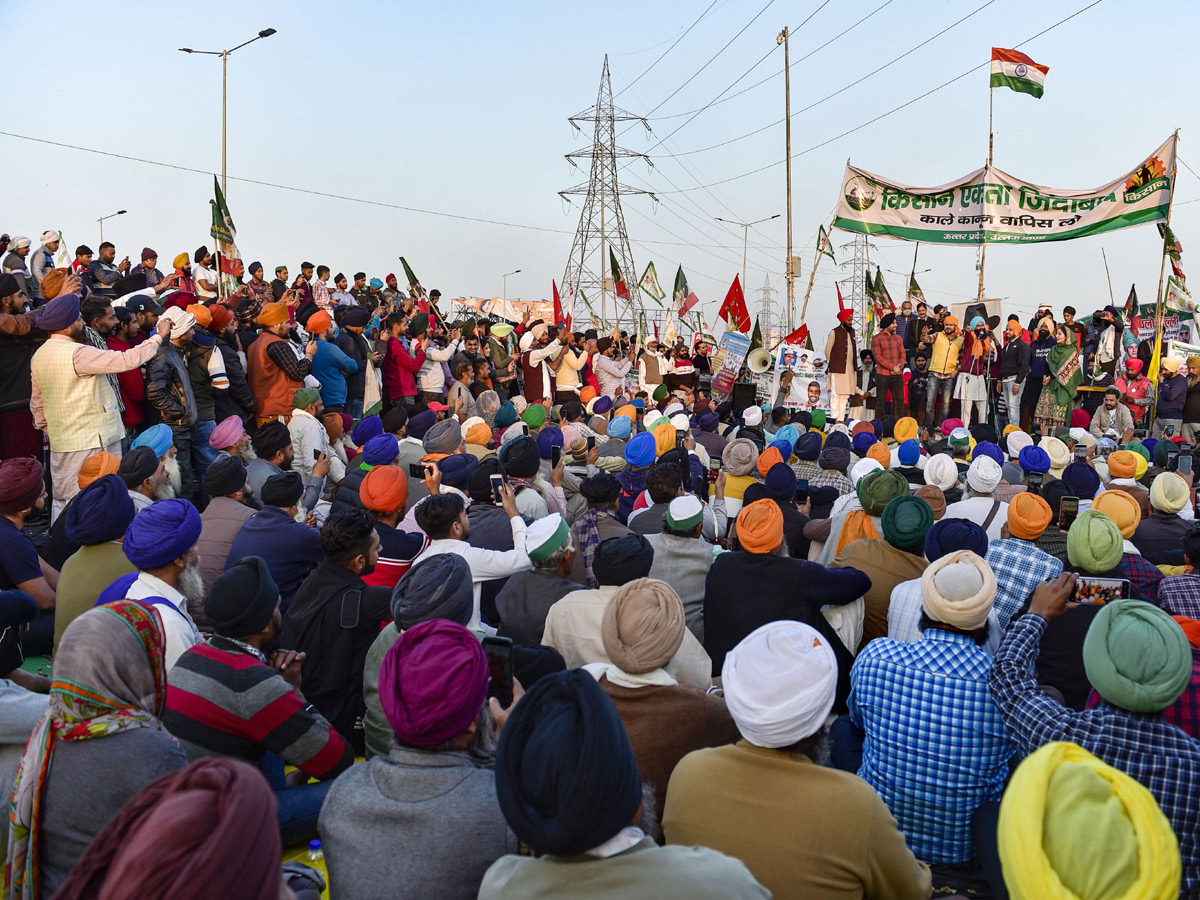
(207, 830)
(20, 484)
(432, 682)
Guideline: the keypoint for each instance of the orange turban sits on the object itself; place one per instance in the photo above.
(273, 313)
(627, 410)
(586, 394)
(1028, 516)
(664, 438)
(53, 282)
(97, 465)
(1122, 463)
(760, 526)
(318, 323)
(385, 489)
(479, 434)
(1121, 508)
(768, 458)
(1191, 628)
(879, 452)
(334, 426)
(860, 427)
(202, 314)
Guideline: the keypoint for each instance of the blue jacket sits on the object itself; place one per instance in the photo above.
(330, 366)
(1171, 394)
(289, 549)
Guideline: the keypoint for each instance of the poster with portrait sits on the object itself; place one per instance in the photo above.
(807, 387)
(727, 361)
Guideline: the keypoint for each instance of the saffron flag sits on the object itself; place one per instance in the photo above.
(733, 310)
(684, 298)
(619, 284)
(649, 284)
(1012, 69)
(823, 244)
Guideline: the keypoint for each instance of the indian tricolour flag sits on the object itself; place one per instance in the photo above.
(1015, 70)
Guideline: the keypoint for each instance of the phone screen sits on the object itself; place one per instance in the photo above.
(1068, 510)
(801, 490)
(555, 456)
(1081, 451)
(591, 442)
(497, 482)
(1100, 590)
(498, 651)
(1172, 455)
(1185, 464)
(416, 470)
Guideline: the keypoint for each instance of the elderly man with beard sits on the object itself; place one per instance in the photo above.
(272, 444)
(79, 412)
(225, 482)
(170, 393)
(145, 477)
(161, 544)
(229, 438)
(159, 438)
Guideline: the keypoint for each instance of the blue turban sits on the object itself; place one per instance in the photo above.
(163, 531)
(59, 314)
(780, 482)
(100, 512)
(421, 423)
(375, 283)
(839, 439)
(620, 427)
(1082, 480)
(1033, 459)
(789, 433)
(909, 452)
(550, 436)
(1150, 444)
(506, 415)
(641, 449)
(809, 446)
(566, 776)
(707, 420)
(457, 468)
(975, 320)
(862, 441)
(949, 535)
(784, 448)
(987, 448)
(255, 266)
(877, 427)
(158, 438)
(602, 406)
(381, 450)
(367, 428)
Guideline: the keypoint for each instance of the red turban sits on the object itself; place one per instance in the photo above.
(221, 317)
(20, 484)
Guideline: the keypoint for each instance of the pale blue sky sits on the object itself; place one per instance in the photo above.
(462, 108)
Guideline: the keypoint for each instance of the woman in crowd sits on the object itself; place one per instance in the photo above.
(1063, 376)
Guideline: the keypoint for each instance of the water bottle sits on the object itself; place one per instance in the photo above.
(315, 856)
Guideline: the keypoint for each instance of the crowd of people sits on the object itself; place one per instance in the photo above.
(558, 620)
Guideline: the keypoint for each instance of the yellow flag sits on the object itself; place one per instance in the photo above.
(1152, 369)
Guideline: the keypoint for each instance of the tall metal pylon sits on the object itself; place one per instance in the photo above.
(602, 223)
(860, 272)
(766, 315)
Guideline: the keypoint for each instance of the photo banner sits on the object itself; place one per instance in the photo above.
(990, 206)
(727, 361)
(808, 389)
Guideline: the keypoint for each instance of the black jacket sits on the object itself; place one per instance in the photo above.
(196, 358)
(1014, 361)
(169, 389)
(355, 347)
(239, 399)
(346, 495)
(334, 618)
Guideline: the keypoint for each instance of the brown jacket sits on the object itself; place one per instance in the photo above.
(805, 832)
(887, 567)
(219, 524)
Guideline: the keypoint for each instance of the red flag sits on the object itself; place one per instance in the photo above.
(799, 336)
(655, 324)
(559, 316)
(621, 287)
(733, 310)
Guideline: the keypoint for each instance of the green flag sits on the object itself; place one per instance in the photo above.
(413, 281)
(755, 336)
(915, 294)
(823, 246)
(222, 228)
(881, 291)
(649, 284)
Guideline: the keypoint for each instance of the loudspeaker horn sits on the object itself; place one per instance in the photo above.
(759, 360)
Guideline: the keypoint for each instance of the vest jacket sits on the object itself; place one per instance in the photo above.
(81, 411)
(271, 387)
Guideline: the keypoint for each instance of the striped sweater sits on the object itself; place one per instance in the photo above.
(224, 701)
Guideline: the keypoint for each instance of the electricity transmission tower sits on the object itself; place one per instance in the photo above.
(766, 315)
(602, 223)
(860, 272)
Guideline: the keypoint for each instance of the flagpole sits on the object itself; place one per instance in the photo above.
(811, 278)
(986, 174)
(1108, 274)
(1160, 308)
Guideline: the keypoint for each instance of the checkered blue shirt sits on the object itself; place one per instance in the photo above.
(936, 747)
(1019, 567)
(1180, 595)
(904, 616)
(1144, 746)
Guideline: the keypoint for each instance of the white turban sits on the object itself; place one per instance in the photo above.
(19, 242)
(779, 683)
(1018, 441)
(959, 589)
(526, 341)
(512, 432)
(681, 422)
(1077, 434)
(49, 237)
(1060, 456)
(181, 321)
(983, 475)
(752, 415)
(1168, 493)
(941, 471)
(863, 468)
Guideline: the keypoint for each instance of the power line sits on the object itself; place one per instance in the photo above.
(890, 112)
(665, 52)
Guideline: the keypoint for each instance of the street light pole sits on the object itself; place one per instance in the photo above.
(746, 237)
(224, 54)
(782, 38)
(504, 278)
(119, 212)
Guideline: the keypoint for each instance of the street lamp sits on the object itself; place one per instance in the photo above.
(505, 279)
(224, 54)
(746, 236)
(119, 212)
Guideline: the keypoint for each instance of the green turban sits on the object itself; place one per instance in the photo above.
(660, 393)
(1094, 542)
(818, 419)
(468, 328)
(534, 416)
(1139, 448)
(905, 521)
(419, 325)
(305, 397)
(1137, 657)
(879, 487)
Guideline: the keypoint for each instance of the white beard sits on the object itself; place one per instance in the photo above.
(174, 478)
(191, 584)
(163, 490)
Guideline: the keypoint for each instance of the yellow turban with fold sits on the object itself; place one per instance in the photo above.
(904, 429)
(1074, 828)
(181, 260)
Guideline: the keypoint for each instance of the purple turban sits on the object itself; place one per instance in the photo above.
(548, 437)
(59, 314)
(163, 531)
(20, 484)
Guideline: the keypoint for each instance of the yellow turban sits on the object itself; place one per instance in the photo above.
(180, 261)
(1141, 464)
(904, 429)
(1121, 508)
(627, 410)
(97, 466)
(1075, 828)
(273, 313)
(664, 437)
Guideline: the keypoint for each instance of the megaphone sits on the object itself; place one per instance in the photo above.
(759, 360)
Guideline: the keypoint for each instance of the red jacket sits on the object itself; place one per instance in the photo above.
(400, 370)
(133, 388)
